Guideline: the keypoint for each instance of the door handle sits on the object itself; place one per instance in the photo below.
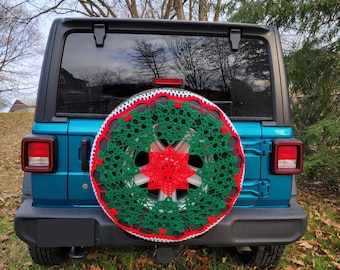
(85, 154)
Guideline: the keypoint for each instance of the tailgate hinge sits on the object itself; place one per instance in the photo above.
(257, 188)
(264, 188)
(260, 147)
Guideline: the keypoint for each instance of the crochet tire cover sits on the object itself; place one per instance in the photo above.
(167, 165)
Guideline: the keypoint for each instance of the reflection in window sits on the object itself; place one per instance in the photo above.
(95, 80)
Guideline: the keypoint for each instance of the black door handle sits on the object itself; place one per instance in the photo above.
(85, 154)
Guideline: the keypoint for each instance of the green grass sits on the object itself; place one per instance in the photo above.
(318, 249)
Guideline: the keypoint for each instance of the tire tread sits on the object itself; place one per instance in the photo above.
(47, 255)
(266, 257)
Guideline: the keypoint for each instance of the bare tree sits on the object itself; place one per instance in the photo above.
(18, 41)
(190, 58)
(149, 58)
(158, 9)
(103, 76)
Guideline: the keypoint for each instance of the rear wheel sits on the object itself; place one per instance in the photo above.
(48, 255)
(264, 257)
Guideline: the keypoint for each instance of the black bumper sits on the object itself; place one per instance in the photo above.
(66, 227)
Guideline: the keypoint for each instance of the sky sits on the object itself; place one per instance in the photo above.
(45, 22)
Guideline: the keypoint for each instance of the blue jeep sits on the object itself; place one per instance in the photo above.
(161, 133)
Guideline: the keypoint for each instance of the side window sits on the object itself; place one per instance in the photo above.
(95, 80)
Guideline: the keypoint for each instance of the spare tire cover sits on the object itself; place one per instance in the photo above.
(167, 165)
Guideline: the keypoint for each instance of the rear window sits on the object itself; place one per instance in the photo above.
(96, 79)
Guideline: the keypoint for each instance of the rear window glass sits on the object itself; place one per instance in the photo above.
(96, 79)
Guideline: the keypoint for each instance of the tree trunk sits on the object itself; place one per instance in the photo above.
(203, 10)
(168, 8)
(217, 11)
(178, 6)
(132, 8)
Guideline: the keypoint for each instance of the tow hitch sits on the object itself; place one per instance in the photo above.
(164, 254)
(77, 253)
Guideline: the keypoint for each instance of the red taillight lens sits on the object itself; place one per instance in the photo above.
(37, 154)
(168, 81)
(287, 157)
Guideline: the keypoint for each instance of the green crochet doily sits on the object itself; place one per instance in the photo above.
(167, 165)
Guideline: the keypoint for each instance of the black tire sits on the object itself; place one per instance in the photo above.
(48, 256)
(264, 257)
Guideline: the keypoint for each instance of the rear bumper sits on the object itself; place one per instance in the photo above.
(66, 227)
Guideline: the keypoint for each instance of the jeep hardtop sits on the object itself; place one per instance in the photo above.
(161, 133)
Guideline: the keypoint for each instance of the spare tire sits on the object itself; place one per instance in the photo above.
(167, 165)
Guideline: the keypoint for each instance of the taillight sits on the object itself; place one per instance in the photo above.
(287, 156)
(38, 153)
